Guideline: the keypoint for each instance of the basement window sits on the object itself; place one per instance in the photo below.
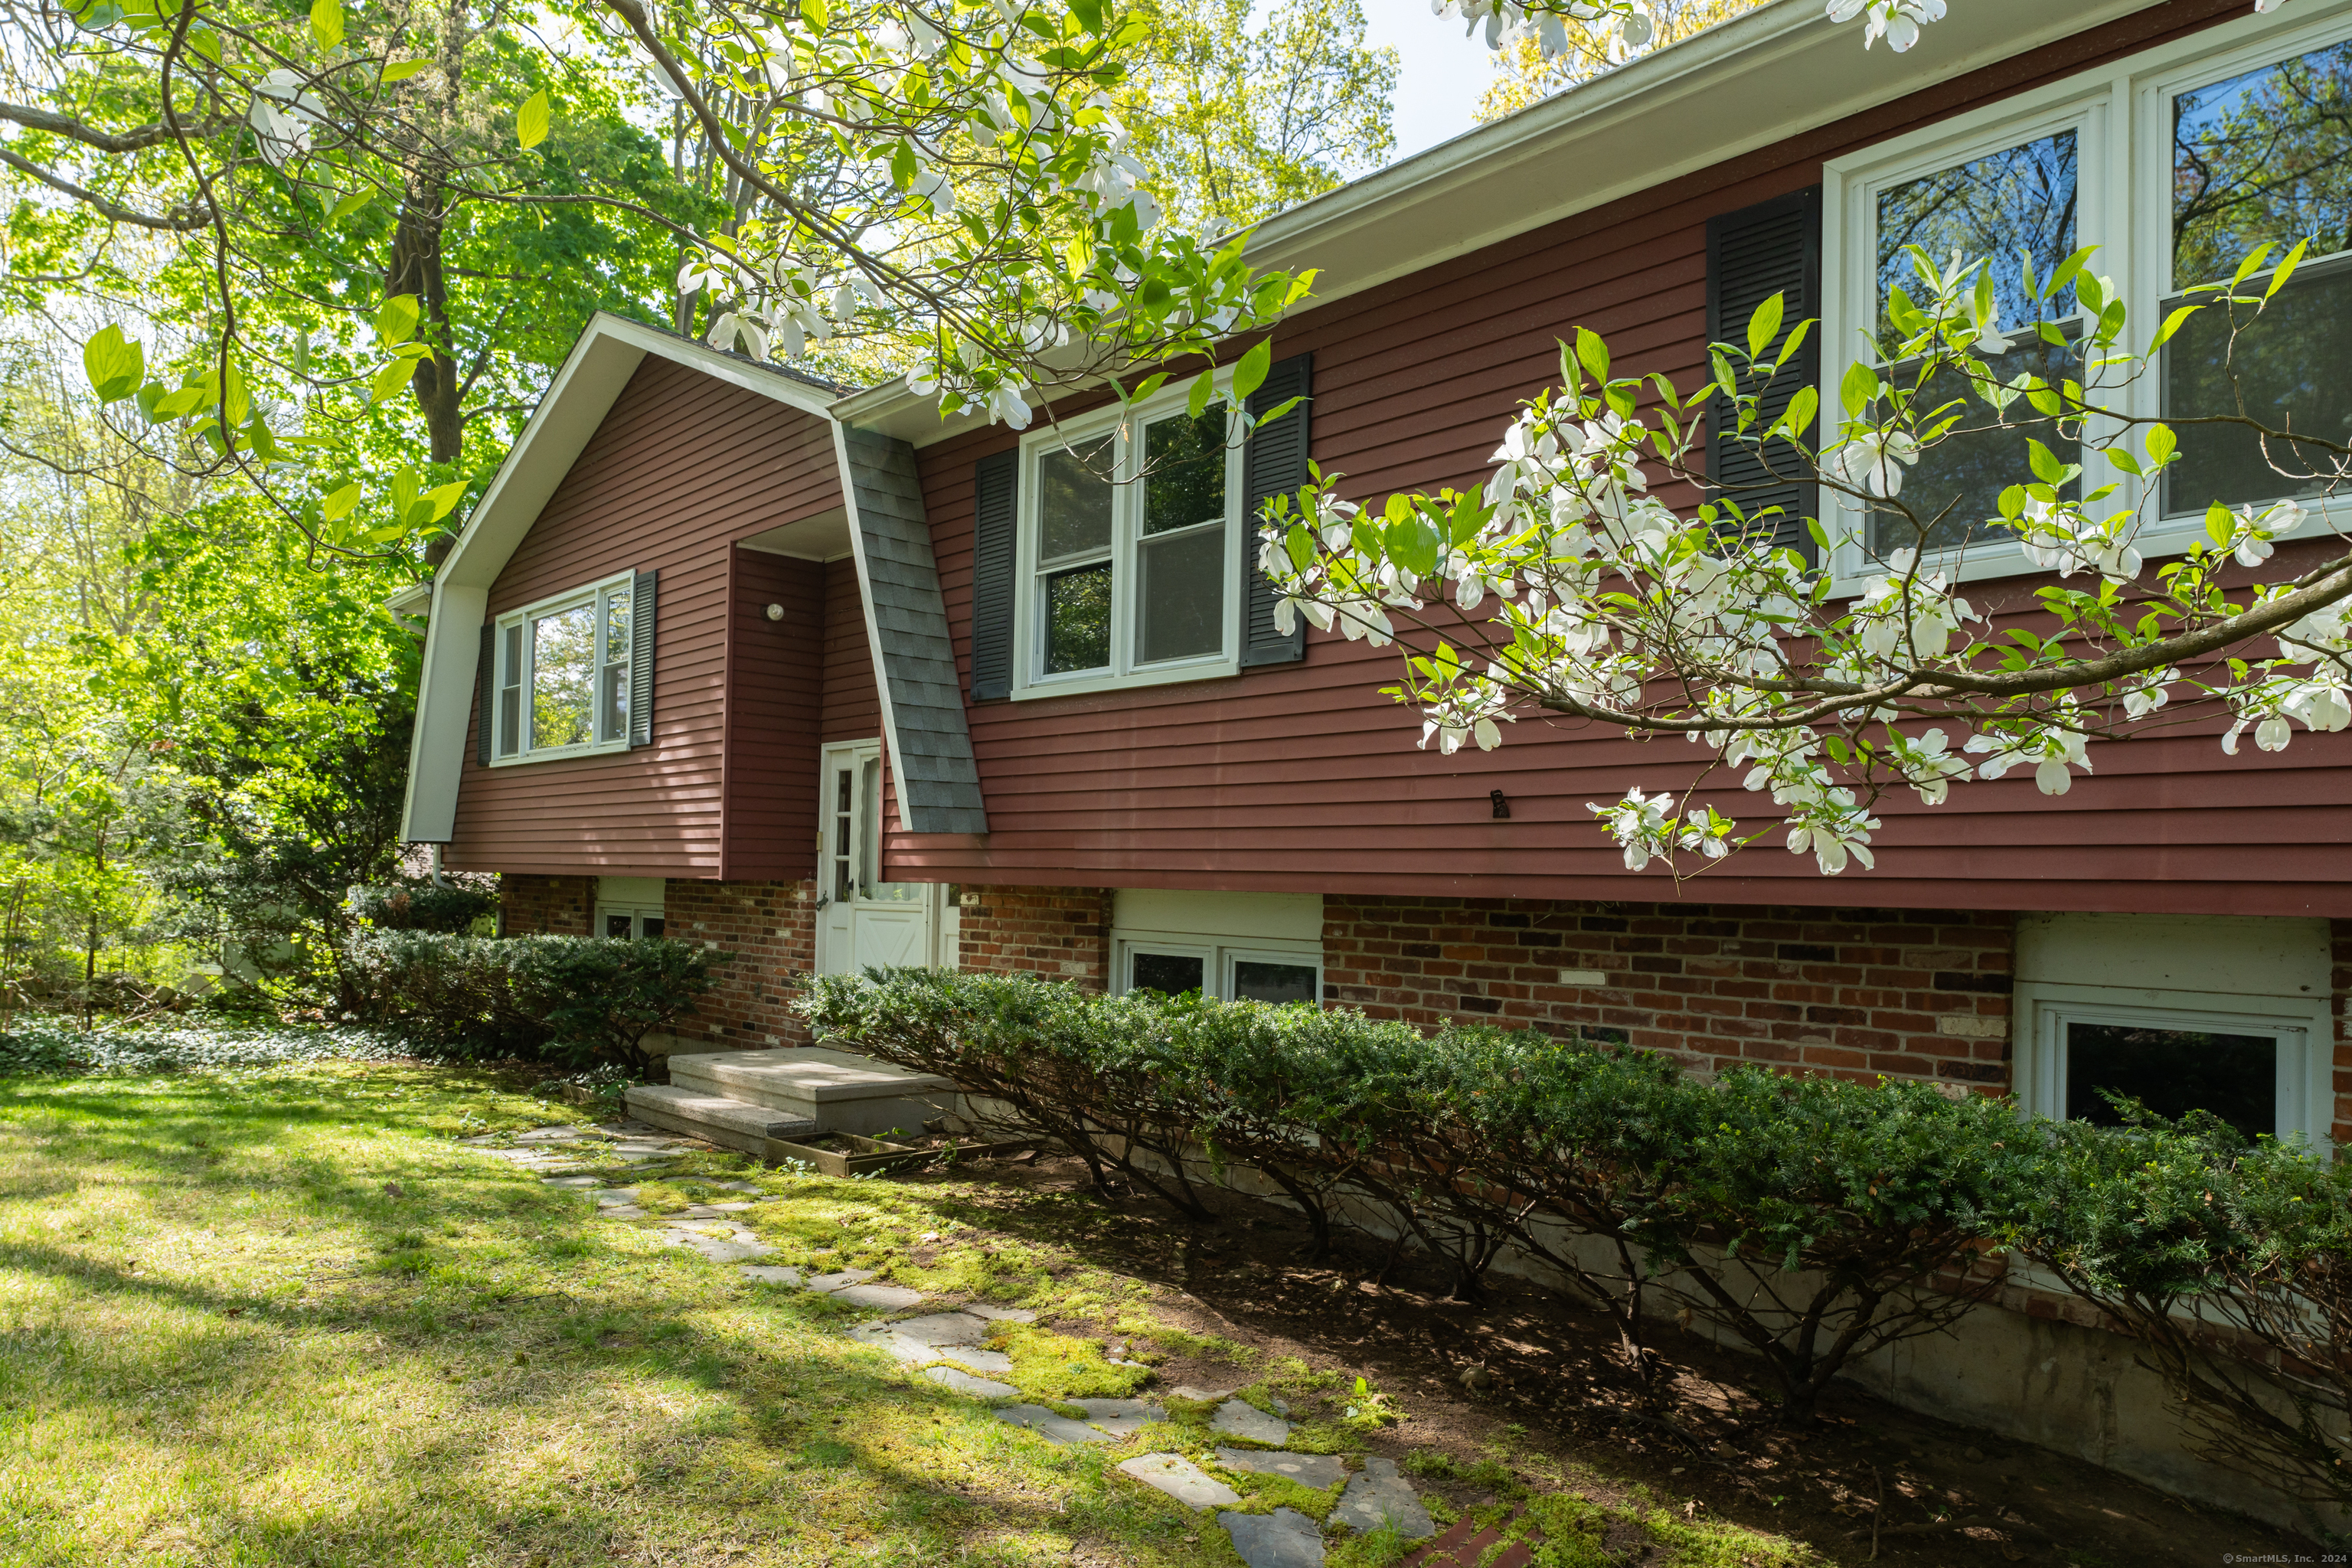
(2222, 1014)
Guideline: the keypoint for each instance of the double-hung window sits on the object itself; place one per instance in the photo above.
(2174, 163)
(1131, 550)
(2262, 151)
(562, 672)
(2017, 191)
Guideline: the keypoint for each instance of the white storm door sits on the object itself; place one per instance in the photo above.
(864, 921)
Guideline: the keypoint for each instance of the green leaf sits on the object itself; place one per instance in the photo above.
(116, 366)
(2171, 325)
(2286, 268)
(1764, 326)
(1204, 386)
(404, 496)
(1801, 409)
(1858, 387)
(396, 319)
(530, 120)
(326, 23)
(2162, 444)
(1724, 377)
(2220, 527)
(401, 71)
(1796, 340)
(351, 204)
(173, 405)
(2251, 265)
(391, 379)
(1249, 372)
(1593, 353)
(2065, 270)
(205, 45)
(339, 503)
(444, 499)
(238, 403)
(2045, 463)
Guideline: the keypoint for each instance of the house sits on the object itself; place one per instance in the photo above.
(829, 681)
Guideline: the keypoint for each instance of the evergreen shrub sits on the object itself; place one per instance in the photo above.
(572, 1001)
(1813, 1219)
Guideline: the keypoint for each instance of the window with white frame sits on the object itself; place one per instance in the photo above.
(2260, 155)
(1259, 947)
(630, 908)
(2013, 192)
(2174, 163)
(562, 674)
(1130, 550)
(2223, 1015)
(1250, 973)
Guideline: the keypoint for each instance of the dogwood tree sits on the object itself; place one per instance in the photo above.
(1563, 587)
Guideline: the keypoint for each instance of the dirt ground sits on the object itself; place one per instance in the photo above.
(1552, 1387)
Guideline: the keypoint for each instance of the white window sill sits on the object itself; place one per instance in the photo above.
(559, 754)
(2002, 557)
(1087, 683)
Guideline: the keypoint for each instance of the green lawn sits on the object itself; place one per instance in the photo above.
(278, 1316)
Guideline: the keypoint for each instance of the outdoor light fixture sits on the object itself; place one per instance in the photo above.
(775, 612)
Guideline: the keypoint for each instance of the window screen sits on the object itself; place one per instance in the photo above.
(2261, 156)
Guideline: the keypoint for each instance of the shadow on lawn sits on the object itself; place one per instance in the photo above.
(712, 1427)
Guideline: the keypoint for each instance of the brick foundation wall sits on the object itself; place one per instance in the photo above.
(545, 906)
(1859, 993)
(770, 927)
(1063, 932)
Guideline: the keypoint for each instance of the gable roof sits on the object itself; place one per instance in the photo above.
(601, 363)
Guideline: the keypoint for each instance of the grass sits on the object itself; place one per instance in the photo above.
(274, 1315)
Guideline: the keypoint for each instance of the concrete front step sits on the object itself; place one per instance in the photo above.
(840, 1091)
(729, 1122)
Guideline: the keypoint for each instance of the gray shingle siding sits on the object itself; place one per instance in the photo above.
(939, 786)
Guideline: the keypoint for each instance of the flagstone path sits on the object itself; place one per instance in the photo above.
(947, 1346)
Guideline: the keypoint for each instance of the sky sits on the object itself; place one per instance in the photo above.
(1441, 76)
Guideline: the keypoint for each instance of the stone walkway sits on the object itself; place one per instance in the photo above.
(950, 1347)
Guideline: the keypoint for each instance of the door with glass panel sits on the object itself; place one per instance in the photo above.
(864, 921)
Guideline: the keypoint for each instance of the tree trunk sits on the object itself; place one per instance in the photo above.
(415, 266)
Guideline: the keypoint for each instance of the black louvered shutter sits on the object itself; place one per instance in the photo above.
(1275, 463)
(486, 692)
(641, 659)
(1772, 247)
(995, 483)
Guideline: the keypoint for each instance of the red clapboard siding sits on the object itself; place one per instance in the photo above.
(774, 694)
(682, 467)
(853, 704)
(1302, 776)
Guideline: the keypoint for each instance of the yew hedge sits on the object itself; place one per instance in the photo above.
(1813, 1219)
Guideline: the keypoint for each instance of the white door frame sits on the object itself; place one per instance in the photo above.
(852, 921)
